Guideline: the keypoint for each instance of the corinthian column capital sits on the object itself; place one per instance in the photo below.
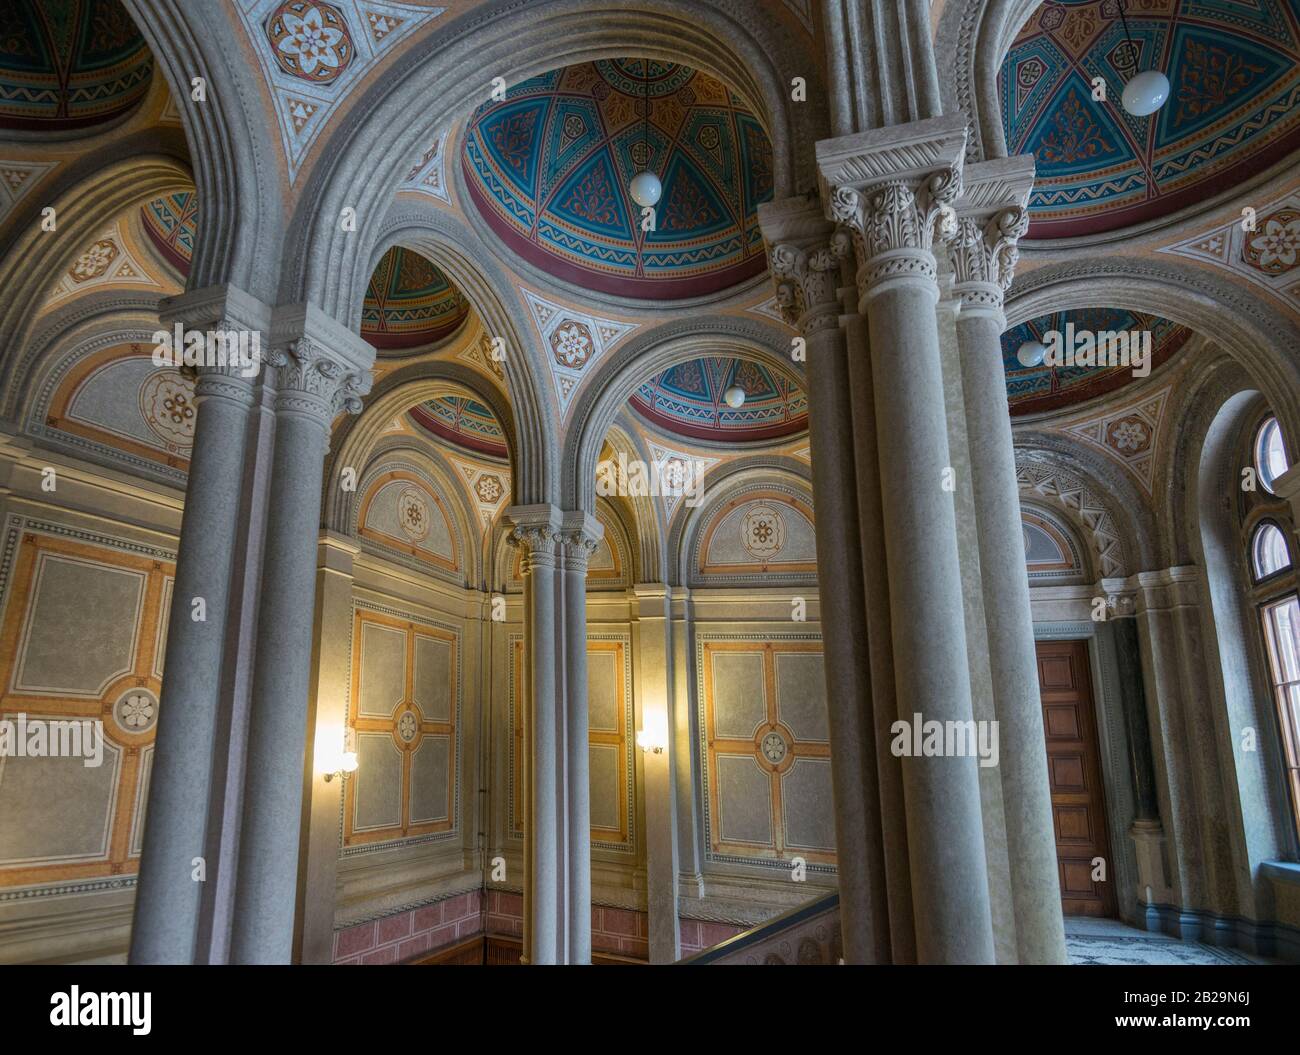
(535, 530)
(805, 254)
(992, 217)
(893, 189)
(320, 366)
(580, 534)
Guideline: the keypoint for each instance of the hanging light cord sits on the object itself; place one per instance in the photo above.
(1132, 48)
(645, 129)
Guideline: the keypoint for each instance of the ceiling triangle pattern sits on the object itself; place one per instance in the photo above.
(313, 54)
(17, 178)
(671, 464)
(429, 174)
(572, 340)
(1129, 435)
(107, 261)
(768, 309)
(1062, 488)
(1267, 255)
(488, 487)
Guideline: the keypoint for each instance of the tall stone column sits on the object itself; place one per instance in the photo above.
(168, 897)
(320, 369)
(991, 216)
(891, 187)
(806, 255)
(580, 532)
(535, 530)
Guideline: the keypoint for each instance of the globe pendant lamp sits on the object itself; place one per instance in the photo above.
(1147, 91)
(734, 397)
(1031, 354)
(645, 187)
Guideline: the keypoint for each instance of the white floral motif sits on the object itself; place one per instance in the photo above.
(1278, 243)
(311, 41)
(572, 344)
(1129, 435)
(406, 727)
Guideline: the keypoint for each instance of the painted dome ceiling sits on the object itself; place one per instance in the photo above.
(1040, 388)
(687, 400)
(549, 169)
(410, 302)
(463, 422)
(171, 222)
(69, 63)
(1234, 75)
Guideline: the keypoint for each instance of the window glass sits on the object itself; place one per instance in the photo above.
(1270, 455)
(1268, 551)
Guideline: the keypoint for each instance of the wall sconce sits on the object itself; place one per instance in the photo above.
(347, 760)
(652, 738)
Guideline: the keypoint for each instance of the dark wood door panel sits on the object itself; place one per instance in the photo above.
(1074, 776)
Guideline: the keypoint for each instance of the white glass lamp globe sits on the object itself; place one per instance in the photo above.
(1031, 354)
(645, 188)
(1146, 93)
(734, 396)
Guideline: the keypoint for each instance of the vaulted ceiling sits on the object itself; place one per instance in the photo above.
(1046, 387)
(1234, 74)
(410, 302)
(68, 64)
(549, 167)
(462, 422)
(688, 400)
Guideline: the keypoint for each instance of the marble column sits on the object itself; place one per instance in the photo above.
(320, 369)
(535, 530)
(579, 534)
(169, 891)
(891, 187)
(992, 214)
(806, 255)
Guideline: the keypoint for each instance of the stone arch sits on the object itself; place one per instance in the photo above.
(977, 33)
(646, 354)
(361, 435)
(446, 242)
(735, 40)
(1259, 337)
(241, 216)
(646, 512)
(84, 202)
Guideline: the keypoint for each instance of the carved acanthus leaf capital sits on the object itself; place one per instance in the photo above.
(985, 252)
(807, 278)
(310, 377)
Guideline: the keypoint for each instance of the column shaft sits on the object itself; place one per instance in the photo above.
(167, 896)
(1031, 844)
(312, 385)
(577, 780)
(944, 823)
(273, 787)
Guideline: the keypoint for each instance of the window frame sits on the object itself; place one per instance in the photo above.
(1252, 537)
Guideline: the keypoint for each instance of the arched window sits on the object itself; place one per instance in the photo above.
(1268, 552)
(1267, 528)
(1270, 454)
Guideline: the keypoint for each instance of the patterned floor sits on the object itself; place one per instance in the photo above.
(1108, 941)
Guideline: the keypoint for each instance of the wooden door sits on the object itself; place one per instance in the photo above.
(1074, 773)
